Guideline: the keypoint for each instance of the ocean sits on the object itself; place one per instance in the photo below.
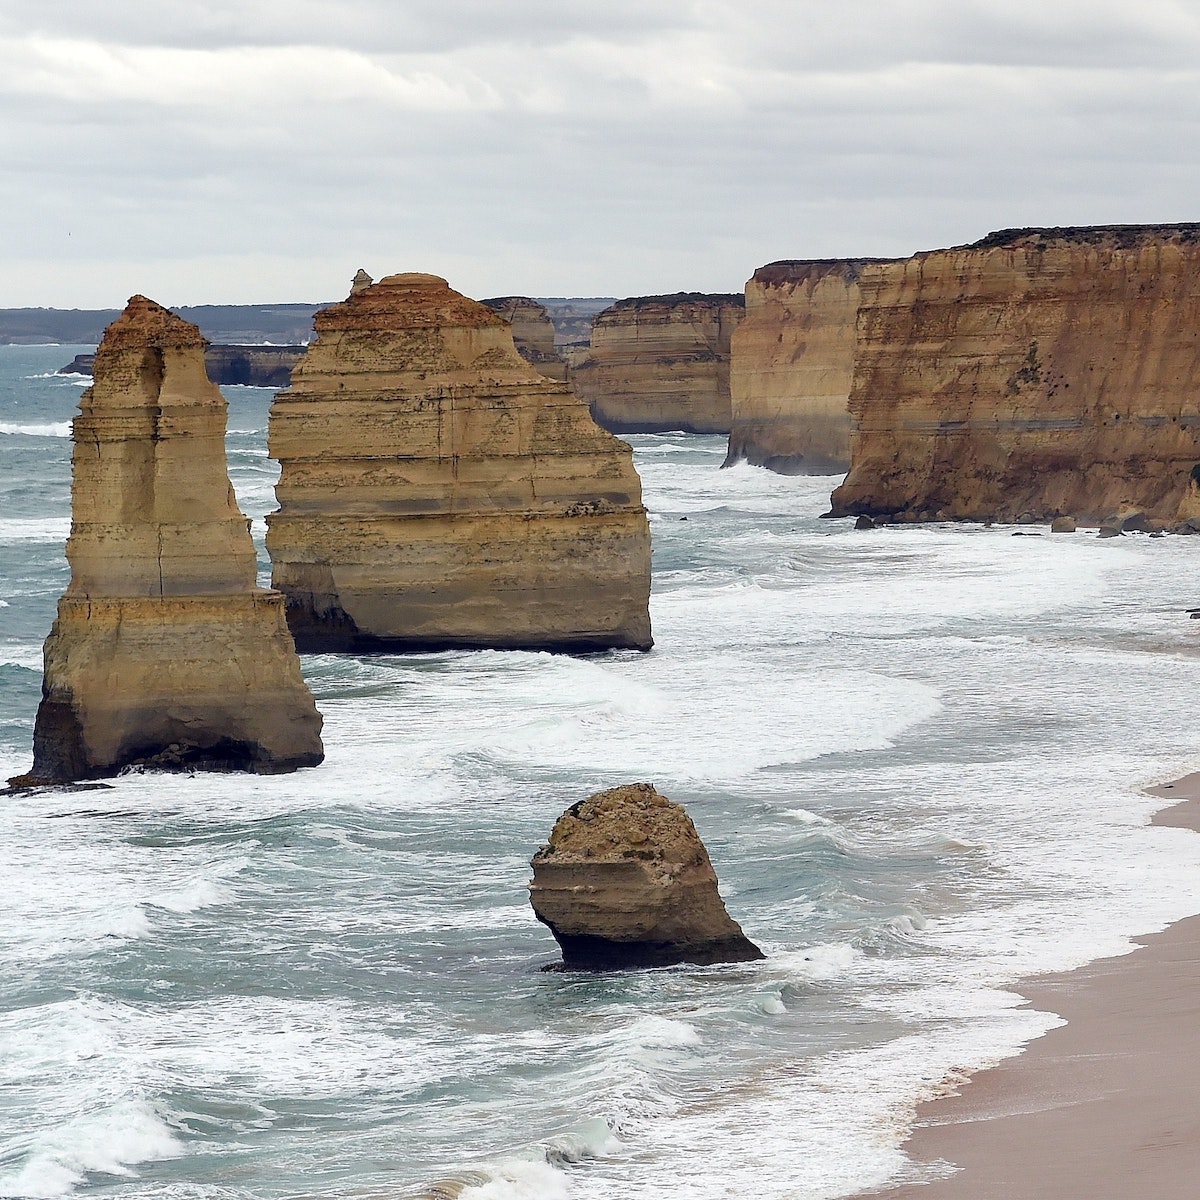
(916, 756)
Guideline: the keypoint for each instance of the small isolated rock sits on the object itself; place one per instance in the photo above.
(1107, 531)
(864, 522)
(625, 881)
(1134, 522)
(1062, 525)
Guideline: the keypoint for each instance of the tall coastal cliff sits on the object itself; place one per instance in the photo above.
(791, 366)
(436, 491)
(659, 363)
(1036, 373)
(165, 651)
(533, 333)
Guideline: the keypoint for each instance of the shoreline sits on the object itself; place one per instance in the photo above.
(1106, 1106)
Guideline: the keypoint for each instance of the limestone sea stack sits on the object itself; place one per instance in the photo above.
(533, 333)
(625, 881)
(660, 363)
(1037, 373)
(791, 366)
(165, 651)
(438, 492)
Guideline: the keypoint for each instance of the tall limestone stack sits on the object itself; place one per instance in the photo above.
(791, 366)
(659, 363)
(165, 651)
(1036, 373)
(533, 333)
(438, 492)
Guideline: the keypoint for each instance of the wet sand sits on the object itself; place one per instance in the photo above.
(1106, 1107)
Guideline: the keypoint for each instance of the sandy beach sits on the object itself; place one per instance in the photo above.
(1106, 1107)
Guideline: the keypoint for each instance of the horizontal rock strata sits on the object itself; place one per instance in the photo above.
(625, 881)
(533, 333)
(437, 492)
(1037, 373)
(660, 363)
(791, 367)
(165, 651)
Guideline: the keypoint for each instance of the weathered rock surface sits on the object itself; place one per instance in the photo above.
(533, 333)
(625, 881)
(165, 650)
(791, 366)
(1039, 372)
(437, 492)
(659, 363)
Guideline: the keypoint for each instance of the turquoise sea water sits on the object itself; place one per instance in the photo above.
(916, 756)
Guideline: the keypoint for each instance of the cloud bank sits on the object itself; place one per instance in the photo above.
(214, 152)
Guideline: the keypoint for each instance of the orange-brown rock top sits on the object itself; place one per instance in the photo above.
(165, 651)
(533, 333)
(436, 491)
(658, 363)
(791, 366)
(625, 881)
(1037, 373)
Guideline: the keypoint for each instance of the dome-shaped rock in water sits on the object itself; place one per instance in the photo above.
(165, 651)
(437, 492)
(625, 881)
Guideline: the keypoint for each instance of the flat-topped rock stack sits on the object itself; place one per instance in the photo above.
(438, 492)
(625, 881)
(791, 367)
(533, 333)
(660, 363)
(165, 651)
(1037, 373)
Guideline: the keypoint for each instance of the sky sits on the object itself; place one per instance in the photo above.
(256, 151)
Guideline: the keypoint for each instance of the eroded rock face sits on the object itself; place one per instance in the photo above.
(791, 366)
(165, 650)
(438, 492)
(625, 881)
(1037, 373)
(533, 333)
(660, 363)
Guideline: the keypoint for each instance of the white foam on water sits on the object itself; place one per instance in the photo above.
(519, 1179)
(109, 1141)
(54, 429)
(35, 529)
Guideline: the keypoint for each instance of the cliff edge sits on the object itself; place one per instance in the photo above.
(791, 367)
(659, 363)
(1033, 374)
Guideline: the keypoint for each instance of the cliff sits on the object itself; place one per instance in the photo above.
(165, 651)
(659, 363)
(533, 333)
(436, 491)
(625, 881)
(791, 366)
(1035, 373)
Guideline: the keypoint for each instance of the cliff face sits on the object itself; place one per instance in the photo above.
(533, 333)
(165, 650)
(658, 363)
(437, 492)
(1035, 373)
(625, 881)
(791, 366)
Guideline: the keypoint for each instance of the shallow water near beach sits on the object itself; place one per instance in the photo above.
(916, 756)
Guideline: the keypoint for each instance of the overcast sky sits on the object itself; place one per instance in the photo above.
(216, 151)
